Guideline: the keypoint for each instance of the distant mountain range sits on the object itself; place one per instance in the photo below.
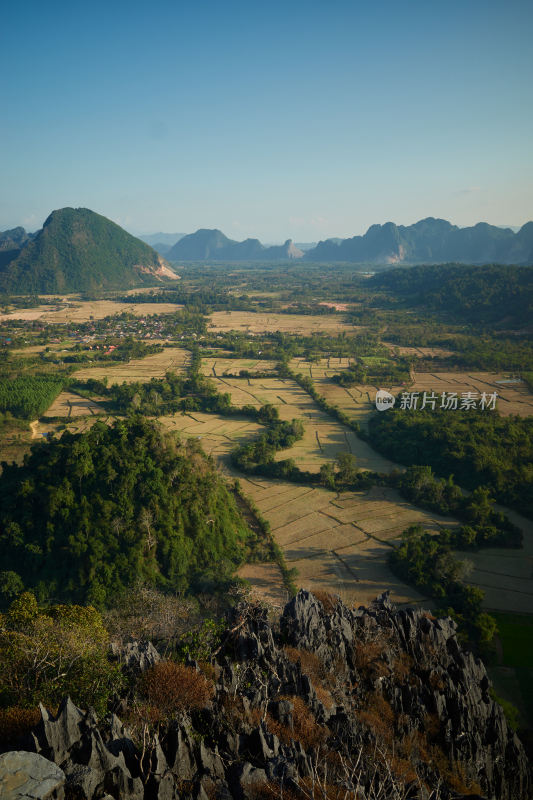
(430, 241)
(77, 250)
(212, 245)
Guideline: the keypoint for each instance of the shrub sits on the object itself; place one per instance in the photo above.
(305, 729)
(379, 717)
(172, 688)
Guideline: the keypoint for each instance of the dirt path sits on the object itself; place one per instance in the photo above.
(33, 428)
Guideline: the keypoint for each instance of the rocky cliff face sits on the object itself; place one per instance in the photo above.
(328, 702)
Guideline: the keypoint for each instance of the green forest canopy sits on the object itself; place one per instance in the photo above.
(89, 514)
(28, 396)
(480, 448)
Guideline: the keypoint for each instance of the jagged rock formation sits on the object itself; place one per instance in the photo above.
(430, 241)
(136, 656)
(332, 702)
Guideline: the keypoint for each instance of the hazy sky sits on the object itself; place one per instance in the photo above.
(268, 119)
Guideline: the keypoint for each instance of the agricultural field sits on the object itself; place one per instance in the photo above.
(513, 395)
(266, 581)
(418, 352)
(324, 438)
(219, 435)
(217, 366)
(357, 401)
(301, 324)
(506, 576)
(170, 359)
(74, 310)
(340, 543)
(68, 404)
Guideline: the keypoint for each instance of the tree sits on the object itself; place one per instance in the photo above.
(327, 476)
(347, 466)
(48, 653)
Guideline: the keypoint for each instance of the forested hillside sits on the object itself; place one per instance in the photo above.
(89, 514)
(489, 294)
(78, 250)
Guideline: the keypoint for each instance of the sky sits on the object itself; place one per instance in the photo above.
(275, 120)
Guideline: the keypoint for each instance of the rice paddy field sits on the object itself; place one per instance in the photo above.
(218, 435)
(340, 543)
(357, 401)
(170, 359)
(74, 310)
(513, 395)
(324, 437)
(266, 581)
(218, 367)
(302, 324)
(68, 404)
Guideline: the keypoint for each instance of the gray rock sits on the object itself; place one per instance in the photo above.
(29, 776)
(83, 781)
(136, 656)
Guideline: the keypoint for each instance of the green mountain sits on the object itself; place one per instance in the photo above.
(78, 250)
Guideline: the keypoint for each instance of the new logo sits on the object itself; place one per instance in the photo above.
(384, 400)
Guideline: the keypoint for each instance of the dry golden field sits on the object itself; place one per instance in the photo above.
(339, 543)
(266, 581)
(513, 398)
(324, 437)
(270, 323)
(84, 310)
(218, 435)
(358, 401)
(418, 352)
(218, 367)
(68, 404)
(171, 359)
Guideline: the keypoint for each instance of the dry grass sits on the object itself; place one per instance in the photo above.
(169, 687)
(305, 729)
(301, 324)
(402, 667)
(170, 359)
(379, 716)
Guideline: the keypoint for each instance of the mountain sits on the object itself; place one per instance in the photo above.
(79, 250)
(14, 239)
(213, 245)
(430, 241)
(168, 239)
(162, 242)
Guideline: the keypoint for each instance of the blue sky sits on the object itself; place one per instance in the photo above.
(275, 120)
